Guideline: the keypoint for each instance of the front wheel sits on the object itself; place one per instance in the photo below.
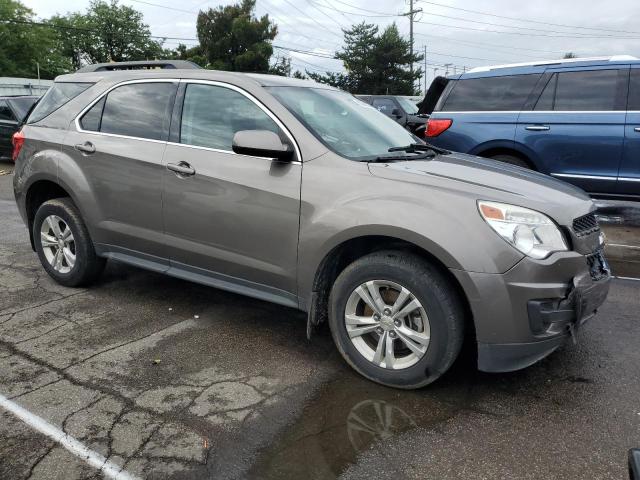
(63, 244)
(396, 319)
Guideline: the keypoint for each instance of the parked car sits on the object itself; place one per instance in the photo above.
(578, 120)
(299, 194)
(12, 112)
(401, 109)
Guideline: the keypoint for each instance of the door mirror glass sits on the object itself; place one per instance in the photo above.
(396, 112)
(261, 143)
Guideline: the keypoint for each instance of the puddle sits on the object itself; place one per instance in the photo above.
(347, 417)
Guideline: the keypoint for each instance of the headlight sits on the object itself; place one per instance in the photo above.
(530, 232)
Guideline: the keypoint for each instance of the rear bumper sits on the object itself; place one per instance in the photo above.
(525, 314)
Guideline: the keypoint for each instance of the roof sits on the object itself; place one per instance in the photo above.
(594, 60)
(191, 73)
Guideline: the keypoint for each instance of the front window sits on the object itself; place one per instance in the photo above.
(408, 106)
(346, 125)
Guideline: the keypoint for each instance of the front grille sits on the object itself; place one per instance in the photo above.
(585, 225)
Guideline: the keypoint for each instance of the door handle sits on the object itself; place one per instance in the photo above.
(182, 169)
(86, 147)
(637, 129)
(537, 128)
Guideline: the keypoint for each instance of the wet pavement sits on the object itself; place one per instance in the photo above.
(169, 379)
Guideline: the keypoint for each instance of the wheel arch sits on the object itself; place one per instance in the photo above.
(489, 149)
(349, 250)
(40, 191)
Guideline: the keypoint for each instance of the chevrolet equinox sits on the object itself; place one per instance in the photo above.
(300, 194)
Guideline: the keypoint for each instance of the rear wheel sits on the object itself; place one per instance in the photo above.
(511, 160)
(63, 244)
(396, 319)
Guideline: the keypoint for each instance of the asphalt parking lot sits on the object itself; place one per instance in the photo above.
(167, 379)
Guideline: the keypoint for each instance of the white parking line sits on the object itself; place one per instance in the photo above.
(108, 469)
(634, 247)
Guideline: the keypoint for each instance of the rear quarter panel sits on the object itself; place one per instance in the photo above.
(475, 132)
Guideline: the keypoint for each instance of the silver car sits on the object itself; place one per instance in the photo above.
(300, 194)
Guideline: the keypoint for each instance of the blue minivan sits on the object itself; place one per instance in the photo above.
(577, 119)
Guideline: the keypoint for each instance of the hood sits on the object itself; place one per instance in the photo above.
(487, 179)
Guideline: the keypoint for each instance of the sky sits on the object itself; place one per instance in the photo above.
(457, 34)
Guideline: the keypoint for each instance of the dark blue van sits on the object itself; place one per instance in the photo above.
(577, 119)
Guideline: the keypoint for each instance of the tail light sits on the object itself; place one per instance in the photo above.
(435, 126)
(17, 140)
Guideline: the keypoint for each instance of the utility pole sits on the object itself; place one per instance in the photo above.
(446, 66)
(425, 69)
(410, 14)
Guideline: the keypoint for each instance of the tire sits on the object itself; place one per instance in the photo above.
(435, 293)
(511, 160)
(87, 266)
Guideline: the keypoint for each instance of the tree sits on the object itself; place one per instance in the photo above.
(232, 38)
(193, 54)
(375, 63)
(570, 55)
(282, 67)
(107, 32)
(24, 46)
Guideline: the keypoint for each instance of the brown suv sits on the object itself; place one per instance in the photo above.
(299, 194)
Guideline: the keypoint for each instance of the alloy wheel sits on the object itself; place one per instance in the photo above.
(387, 324)
(58, 244)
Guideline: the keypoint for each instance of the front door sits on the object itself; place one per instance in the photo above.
(629, 177)
(576, 129)
(119, 147)
(230, 220)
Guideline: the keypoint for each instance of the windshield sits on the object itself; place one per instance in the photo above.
(407, 105)
(346, 125)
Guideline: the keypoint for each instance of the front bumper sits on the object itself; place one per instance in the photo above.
(523, 315)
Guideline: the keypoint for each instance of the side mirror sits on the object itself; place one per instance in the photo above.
(634, 464)
(396, 113)
(261, 143)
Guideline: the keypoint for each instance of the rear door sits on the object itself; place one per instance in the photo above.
(629, 177)
(8, 125)
(233, 220)
(118, 142)
(576, 128)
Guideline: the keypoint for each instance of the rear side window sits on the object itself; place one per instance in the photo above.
(634, 90)
(5, 112)
(590, 90)
(59, 94)
(211, 116)
(384, 105)
(490, 93)
(141, 110)
(21, 106)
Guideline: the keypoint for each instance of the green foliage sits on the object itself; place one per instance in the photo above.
(23, 46)
(282, 67)
(376, 63)
(193, 54)
(107, 32)
(232, 38)
(570, 55)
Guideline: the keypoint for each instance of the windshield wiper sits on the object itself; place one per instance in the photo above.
(420, 147)
(401, 158)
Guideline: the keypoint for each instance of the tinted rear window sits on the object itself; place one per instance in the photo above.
(5, 112)
(634, 90)
(490, 93)
(22, 105)
(56, 96)
(140, 110)
(590, 90)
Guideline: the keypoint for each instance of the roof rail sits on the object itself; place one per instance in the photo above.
(614, 58)
(140, 65)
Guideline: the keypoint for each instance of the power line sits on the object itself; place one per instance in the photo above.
(311, 18)
(313, 4)
(164, 6)
(526, 20)
(578, 35)
(518, 33)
